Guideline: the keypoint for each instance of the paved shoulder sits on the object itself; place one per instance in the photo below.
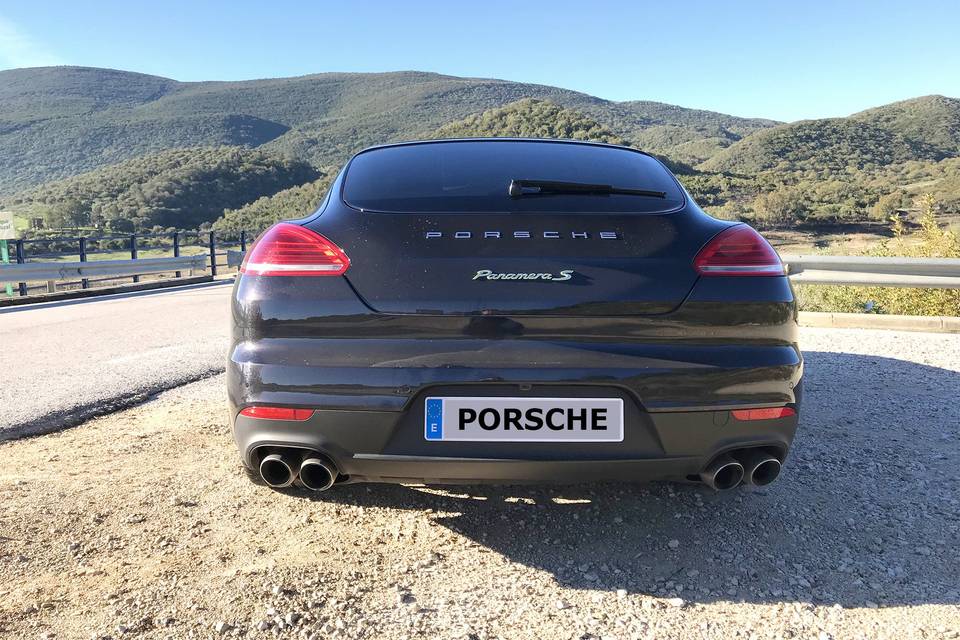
(64, 362)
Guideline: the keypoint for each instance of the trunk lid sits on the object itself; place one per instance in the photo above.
(588, 265)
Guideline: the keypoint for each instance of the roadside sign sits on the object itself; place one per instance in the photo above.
(7, 231)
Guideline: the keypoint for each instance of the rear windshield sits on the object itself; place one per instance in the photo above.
(474, 177)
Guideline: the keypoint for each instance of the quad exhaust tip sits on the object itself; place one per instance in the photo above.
(755, 466)
(723, 473)
(317, 474)
(759, 467)
(279, 470)
(276, 471)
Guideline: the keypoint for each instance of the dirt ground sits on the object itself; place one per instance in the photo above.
(845, 239)
(143, 524)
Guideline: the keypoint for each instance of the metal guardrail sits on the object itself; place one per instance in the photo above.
(938, 273)
(921, 273)
(31, 271)
(60, 251)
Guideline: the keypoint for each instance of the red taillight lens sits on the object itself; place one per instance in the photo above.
(277, 413)
(290, 250)
(738, 251)
(763, 414)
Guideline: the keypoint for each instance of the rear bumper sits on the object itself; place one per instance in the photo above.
(389, 446)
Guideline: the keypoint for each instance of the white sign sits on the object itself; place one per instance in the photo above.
(7, 232)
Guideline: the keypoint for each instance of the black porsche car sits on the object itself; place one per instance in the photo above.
(512, 310)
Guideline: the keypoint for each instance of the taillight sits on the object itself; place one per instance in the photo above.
(763, 414)
(291, 250)
(277, 413)
(738, 251)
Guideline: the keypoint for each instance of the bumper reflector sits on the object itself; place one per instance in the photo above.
(277, 413)
(763, 414)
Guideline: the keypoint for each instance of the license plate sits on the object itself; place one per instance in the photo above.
(490, 419)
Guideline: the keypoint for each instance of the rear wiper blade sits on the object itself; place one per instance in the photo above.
(517, 187)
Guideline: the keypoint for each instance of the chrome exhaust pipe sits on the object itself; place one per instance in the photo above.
(317, 474)
(759, 467)
(722, 473)
(277, 471)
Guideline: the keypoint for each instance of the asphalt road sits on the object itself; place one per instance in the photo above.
(64, 362)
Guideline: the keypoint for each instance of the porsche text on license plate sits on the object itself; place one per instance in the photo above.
(493, 419)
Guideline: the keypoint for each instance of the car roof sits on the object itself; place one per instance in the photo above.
(588, 143)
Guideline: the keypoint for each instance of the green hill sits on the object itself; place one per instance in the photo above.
(921, 129)
(532, 118)
(109, 141)
(688, 135)
(933, 120)
(181, 188)
(61, 121)
(294, 202)
(529, 118)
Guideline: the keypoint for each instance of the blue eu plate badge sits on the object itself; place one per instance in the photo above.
(434, 419)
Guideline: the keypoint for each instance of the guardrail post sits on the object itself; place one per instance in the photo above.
(22, 285)
(84, 283)
(133, 252)
(213, 253)
(176, 248)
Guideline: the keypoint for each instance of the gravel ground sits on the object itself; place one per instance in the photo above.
(143, 524)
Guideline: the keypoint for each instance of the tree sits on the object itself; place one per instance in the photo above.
(787, 204)
(887, 205)
(122, 225)
(67, 213)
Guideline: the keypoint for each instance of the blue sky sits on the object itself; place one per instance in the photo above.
(770, 59)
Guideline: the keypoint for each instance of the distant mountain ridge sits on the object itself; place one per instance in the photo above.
(120, 149)
(935, 120)
(925, 128)
(60, 121)
(867, 166)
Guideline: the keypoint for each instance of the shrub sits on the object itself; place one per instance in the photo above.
(932, 241)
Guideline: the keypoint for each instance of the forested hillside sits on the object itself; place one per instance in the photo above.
(145, 151)
(840, 169)
(838, 144)
(921, 129)
(934, 120)
(295, 202)
(60, 121)
(181, 188)
(529, 118)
